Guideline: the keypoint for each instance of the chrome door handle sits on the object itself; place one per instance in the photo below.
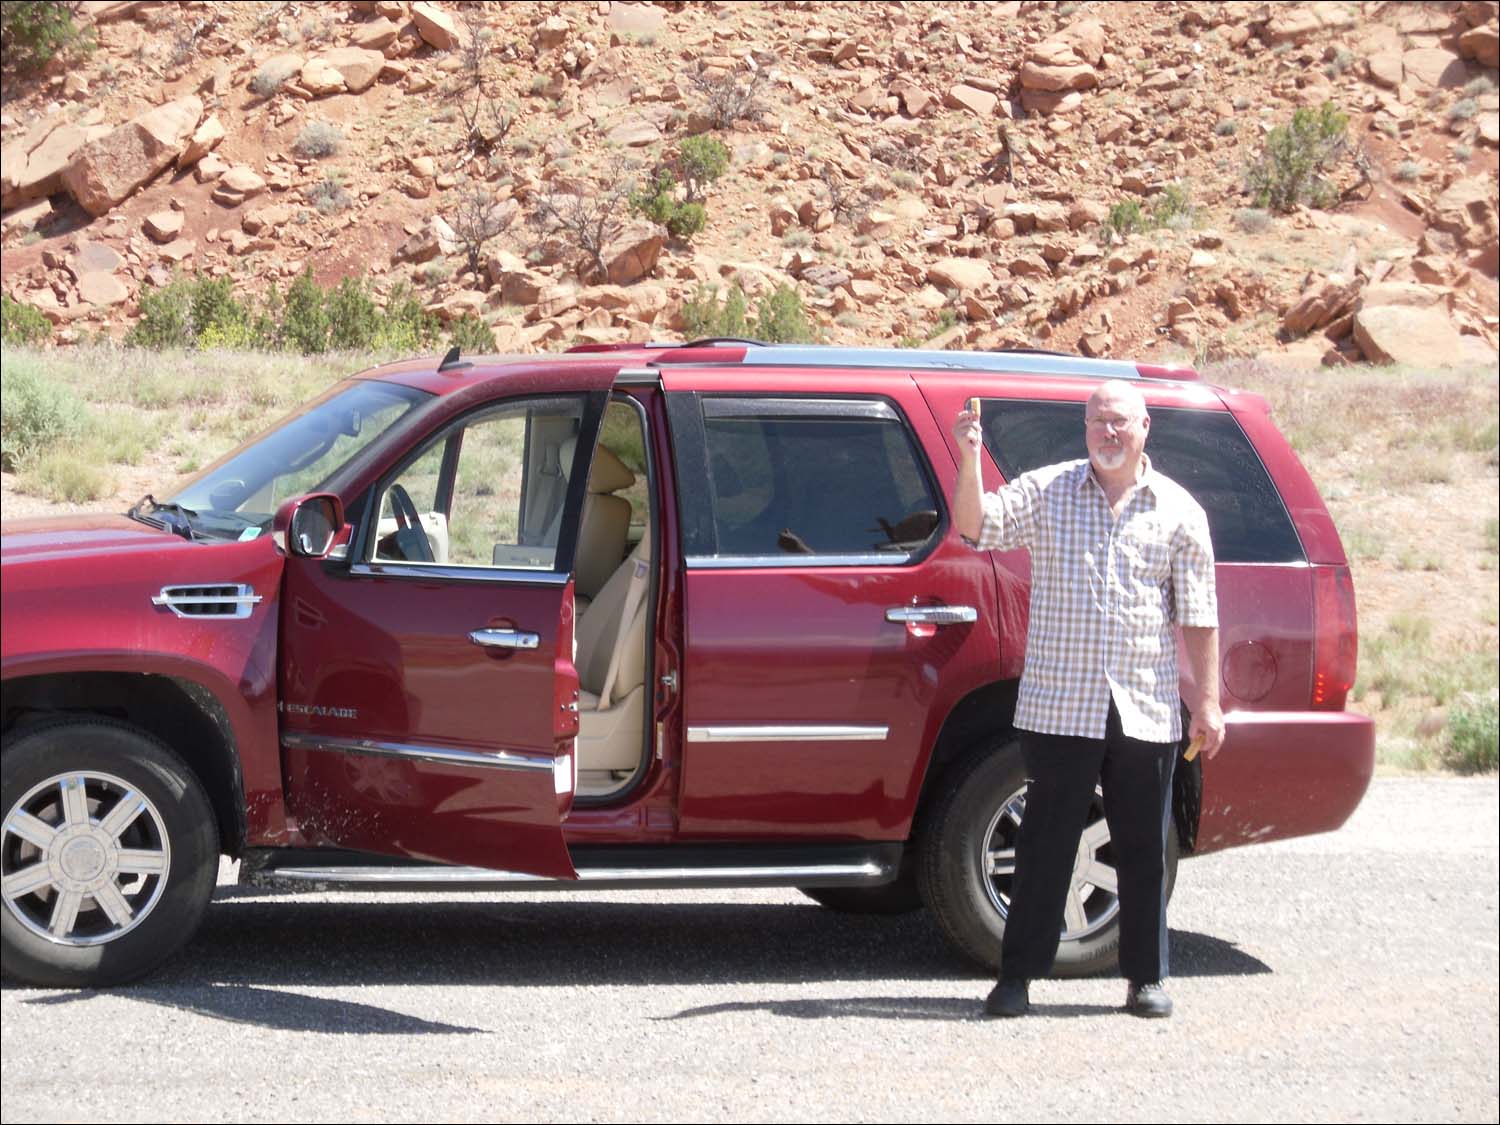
(504, 638)
(932, 614)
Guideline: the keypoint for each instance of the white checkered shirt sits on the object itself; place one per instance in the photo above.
(1105, 596)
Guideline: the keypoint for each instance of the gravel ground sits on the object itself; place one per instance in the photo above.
(1343, 977)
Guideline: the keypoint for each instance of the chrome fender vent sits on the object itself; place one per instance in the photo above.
(208, 601)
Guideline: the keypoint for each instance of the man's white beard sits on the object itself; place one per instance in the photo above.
(1110, 459)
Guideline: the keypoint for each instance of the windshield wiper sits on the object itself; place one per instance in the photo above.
(173, 517)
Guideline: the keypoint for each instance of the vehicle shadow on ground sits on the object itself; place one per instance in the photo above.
(250, 957)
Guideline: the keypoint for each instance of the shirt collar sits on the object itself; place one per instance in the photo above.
(1146, 482)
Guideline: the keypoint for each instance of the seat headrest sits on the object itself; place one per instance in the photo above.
(608, 473)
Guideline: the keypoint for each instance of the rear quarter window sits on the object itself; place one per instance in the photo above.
(1205, 451)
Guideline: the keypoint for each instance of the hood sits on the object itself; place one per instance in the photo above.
(78, 536)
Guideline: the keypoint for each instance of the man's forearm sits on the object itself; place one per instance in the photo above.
(1202, 646)
(968, 498)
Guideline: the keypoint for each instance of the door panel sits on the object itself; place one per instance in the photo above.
(809, 703)
(429, 706)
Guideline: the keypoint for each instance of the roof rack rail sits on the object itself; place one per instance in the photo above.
(1001, 362)
(1010, 361)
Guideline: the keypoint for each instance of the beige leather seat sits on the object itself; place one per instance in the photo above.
(611, 740)
(605, 526)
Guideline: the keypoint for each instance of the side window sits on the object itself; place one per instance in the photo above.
(488, 492)
(792, 478)
(1205, 451)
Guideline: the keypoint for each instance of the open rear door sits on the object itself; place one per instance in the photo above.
(429, 697)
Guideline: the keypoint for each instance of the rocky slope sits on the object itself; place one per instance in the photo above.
(916, 171)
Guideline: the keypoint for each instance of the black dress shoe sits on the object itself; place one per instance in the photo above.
(1149, 1000)
(1008, 998)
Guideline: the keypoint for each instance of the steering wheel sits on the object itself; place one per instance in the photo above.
(411, 536)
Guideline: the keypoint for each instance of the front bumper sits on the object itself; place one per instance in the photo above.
(1284, 773)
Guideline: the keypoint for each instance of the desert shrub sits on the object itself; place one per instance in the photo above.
(272, 77)
(1295, 159)
(701, 160)
(199, 312)
(36, 413)
(63, 476)
(353, 320)
(1463, 109)
(1408, 170)
(1224, 127)
(22, 324)
(1473, 742)
(213, 309)
(906, 181)
(304, 322)
(1252, 220)
(166, 318)
(1126, 217)
(1463, 152)
(34, 32)
(471, 335)
(329, 196)
(659, 203)
(406, 326)
(728, 98)
(705, 317)
(590, 220)
(476, 219)
(1173, 207)
(780, 318)
(318, 139)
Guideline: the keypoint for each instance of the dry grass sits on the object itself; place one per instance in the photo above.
(1406, 461)
(171, 412)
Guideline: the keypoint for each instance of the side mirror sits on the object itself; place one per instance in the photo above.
(307, 525)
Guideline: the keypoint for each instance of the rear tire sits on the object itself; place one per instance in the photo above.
(968, 854)
(109, 854)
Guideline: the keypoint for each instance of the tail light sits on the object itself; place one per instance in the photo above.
(1335, 637)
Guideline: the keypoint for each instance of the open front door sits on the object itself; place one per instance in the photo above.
(429, 697)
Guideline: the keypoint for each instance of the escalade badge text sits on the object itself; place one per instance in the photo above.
(318, 710)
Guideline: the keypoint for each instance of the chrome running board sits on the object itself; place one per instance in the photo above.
(637, 867)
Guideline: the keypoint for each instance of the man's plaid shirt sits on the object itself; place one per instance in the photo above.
(1105, 595)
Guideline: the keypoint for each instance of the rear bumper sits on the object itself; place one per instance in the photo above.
(1284, 773)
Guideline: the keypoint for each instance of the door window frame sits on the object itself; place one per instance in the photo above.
(561, 572)
(687, 412)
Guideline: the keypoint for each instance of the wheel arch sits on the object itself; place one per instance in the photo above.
(183, 713)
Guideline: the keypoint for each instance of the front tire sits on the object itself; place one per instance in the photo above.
(968, 861)
(108, 857)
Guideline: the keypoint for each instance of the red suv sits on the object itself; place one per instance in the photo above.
(632, 616)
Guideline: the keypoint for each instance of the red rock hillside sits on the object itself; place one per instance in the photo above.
(939, 172)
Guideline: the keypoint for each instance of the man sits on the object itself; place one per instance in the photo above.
(1119, 555)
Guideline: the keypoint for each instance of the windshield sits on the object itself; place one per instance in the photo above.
(295, 456)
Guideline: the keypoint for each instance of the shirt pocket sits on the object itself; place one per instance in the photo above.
(1146, 550)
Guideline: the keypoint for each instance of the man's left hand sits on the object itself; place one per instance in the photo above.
(1208, 725)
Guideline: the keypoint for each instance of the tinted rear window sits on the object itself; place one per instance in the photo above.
(1205, 451)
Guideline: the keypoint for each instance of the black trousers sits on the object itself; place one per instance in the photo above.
(1061, 774)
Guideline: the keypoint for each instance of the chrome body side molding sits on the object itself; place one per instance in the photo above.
(444, 755)
(787, 732)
